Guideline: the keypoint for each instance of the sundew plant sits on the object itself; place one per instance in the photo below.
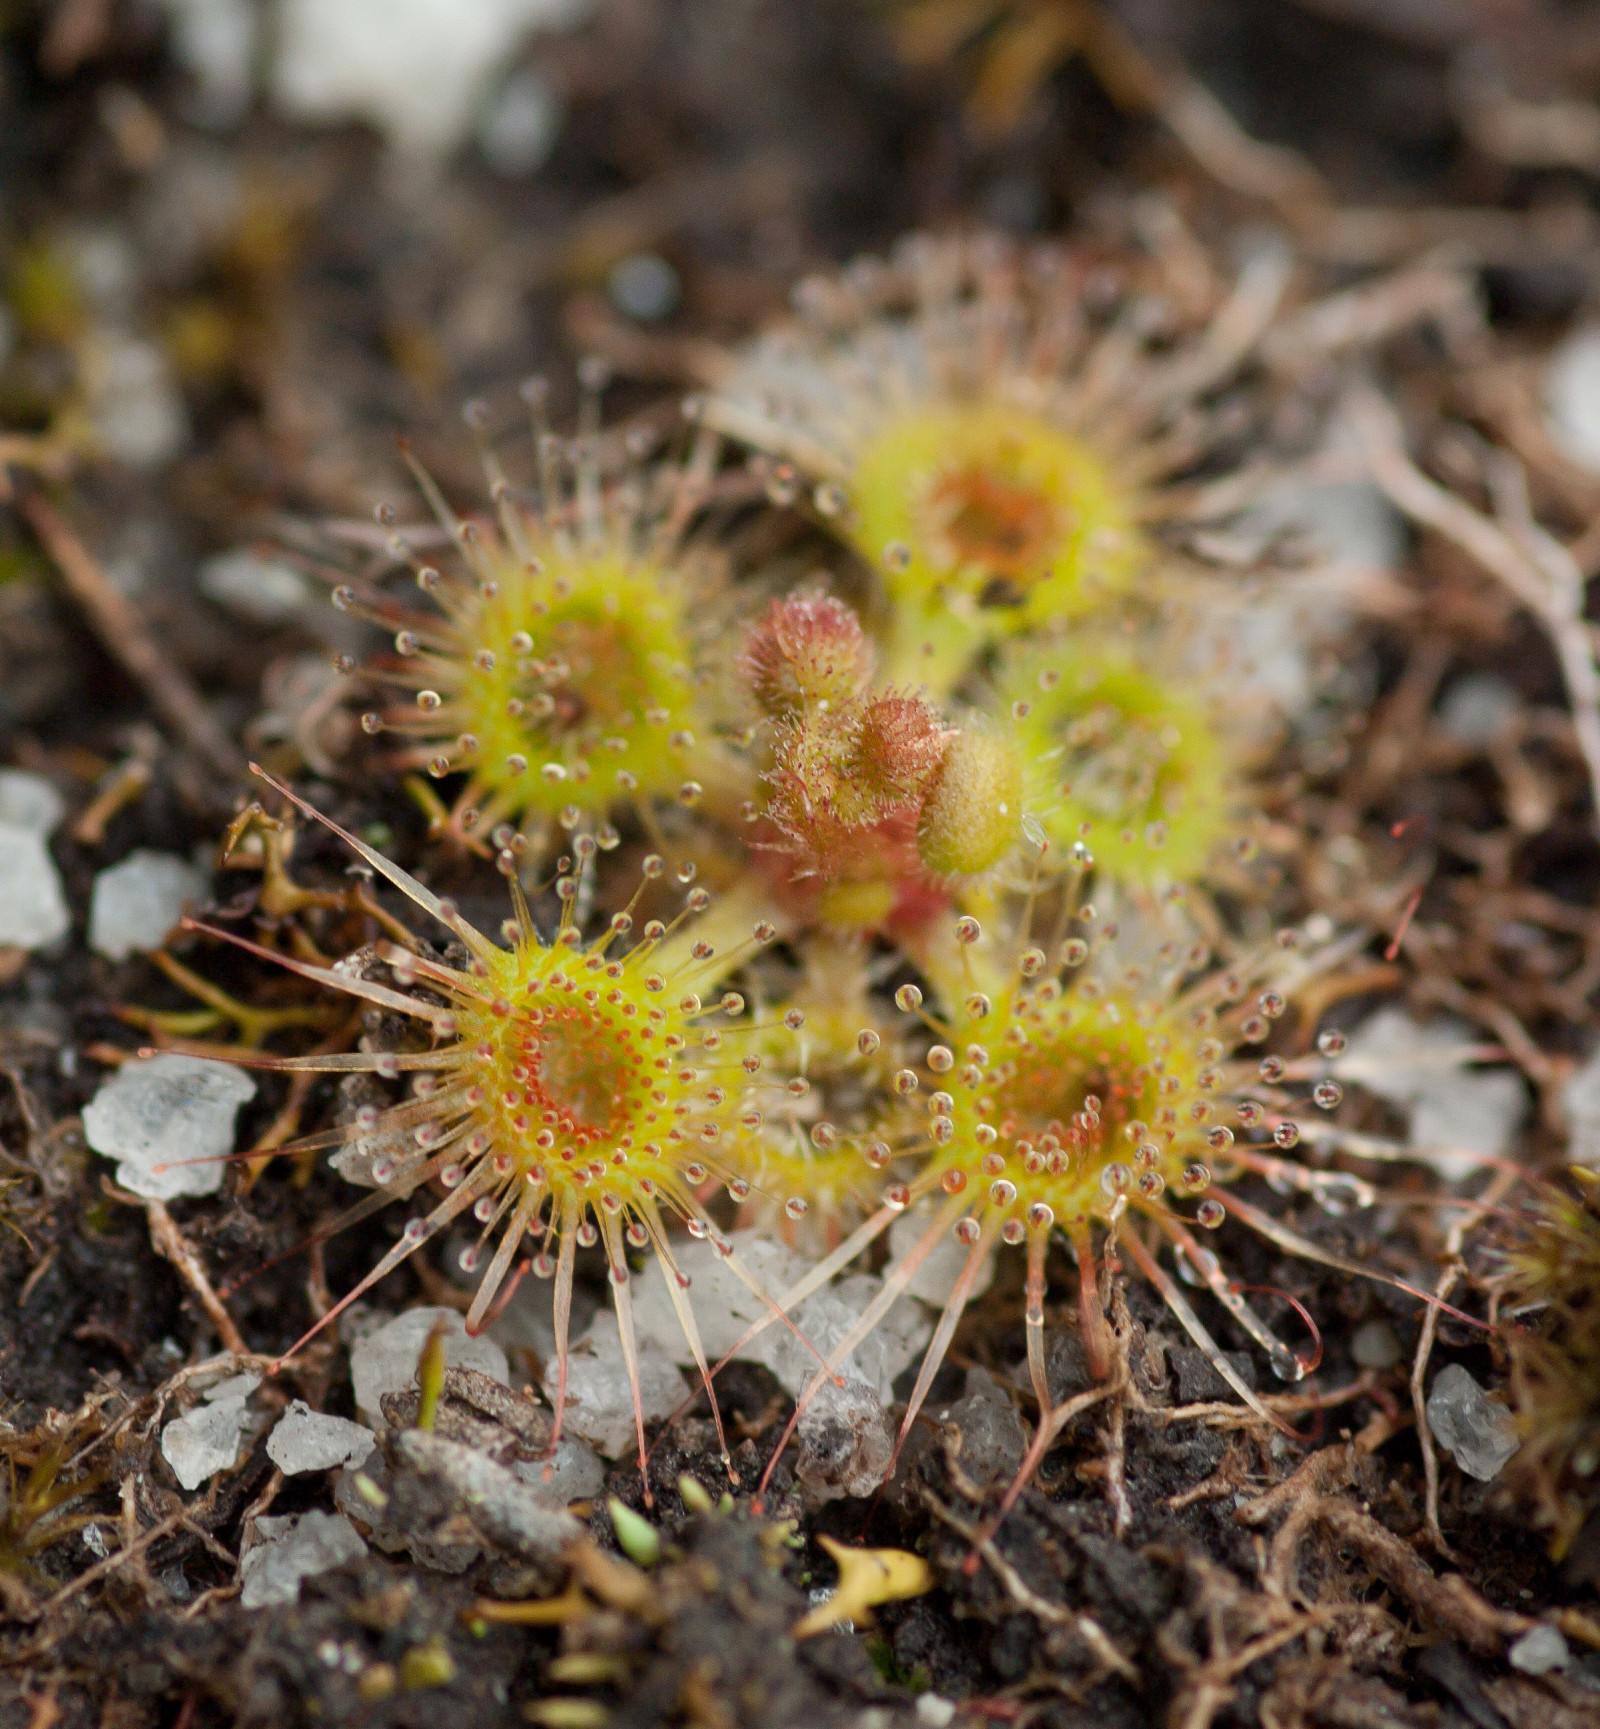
(899, 994)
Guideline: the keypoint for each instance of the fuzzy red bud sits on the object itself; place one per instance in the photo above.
(808, 651)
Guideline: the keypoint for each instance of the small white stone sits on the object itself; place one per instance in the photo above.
(1477, 1432)
(136, 903)
(29, 801)
(519, 125)
(307, 1440)
(1580, 1098)
(135, 409)
(261, 590)
(1572, 397)
(214, 41)
(105, 267)
(171, 1111)
(723, 1305)
(385, 1361)
(936, 1278)
(577, 1473)
(528, 1321)
(1347, 522)
(1374, 1346)
(1460, 1116)
(235, 1387)
(599, 1395)
(33, 910)
(1540, 1650)
(206, 1441)
(826, 1318)
(417, 69)
(1476, 707)
(934, 1712)
(293, 1548)
(846, 1442)
(645, 287)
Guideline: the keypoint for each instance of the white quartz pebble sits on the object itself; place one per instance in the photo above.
(385, 1361)
(136, 903)
(293, 1548)
(307, 1440)
(168, 1121)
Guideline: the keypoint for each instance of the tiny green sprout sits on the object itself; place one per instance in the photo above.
(370, 1492)
(725, 1504)
(566, 1714)
(430, 1375)
(693, 1495)
(638, 1539)
(427, 1665)
(587, 1669)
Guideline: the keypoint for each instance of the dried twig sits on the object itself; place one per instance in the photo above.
(1052, 1614)
(129, 639)
(171, 1244)
(1535, 568)
(120, 1559)
(1304, 1500)
(1497, 1190)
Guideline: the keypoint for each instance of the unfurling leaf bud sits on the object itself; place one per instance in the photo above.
(970, 816)
(898, 747)
(809, 651)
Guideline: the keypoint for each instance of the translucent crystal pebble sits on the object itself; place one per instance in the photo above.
(599, 1398)
(168, 1121)
(1374, 1346)
(137, 902)
(1459, 1115)
(846, 1442)
(518, 128)
(206, 1441)
(825, 1318)
(724, 1305)
(993, 1440)
(577, 1473)
(1580, 1099)
(1477, 707)
(293, 1548)
(257, 589)
(385, 1361)
(1572, 397)
(1479, 1434)
(528, 1320)
(33, 909)
(419, 71)
(29, 801)
(934, 1280)
(307, 1440)
(1540, 1650)
(136, 412)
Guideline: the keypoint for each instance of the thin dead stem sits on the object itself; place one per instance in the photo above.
(1455, 1267)
(129, 640)
(1531, 564)
(171, 1244)
(1106, 1655)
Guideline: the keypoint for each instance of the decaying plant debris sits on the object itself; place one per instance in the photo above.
(1181, 1558)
